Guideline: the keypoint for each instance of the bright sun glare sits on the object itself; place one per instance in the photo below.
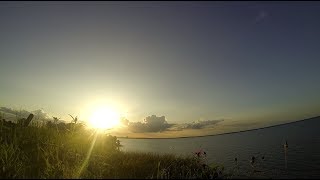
(104, 118)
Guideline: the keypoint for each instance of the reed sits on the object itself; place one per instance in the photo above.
(50, 151)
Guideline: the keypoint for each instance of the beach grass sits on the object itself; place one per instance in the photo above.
(49, 151)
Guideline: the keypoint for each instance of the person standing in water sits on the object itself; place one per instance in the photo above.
(285, 152)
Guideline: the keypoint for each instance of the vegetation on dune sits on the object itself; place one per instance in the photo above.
(60, 150)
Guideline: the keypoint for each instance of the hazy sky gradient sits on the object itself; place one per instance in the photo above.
(184, 60)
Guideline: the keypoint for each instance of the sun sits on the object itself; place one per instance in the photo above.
(104, 118)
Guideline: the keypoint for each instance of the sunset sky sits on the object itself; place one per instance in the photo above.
(186, 61)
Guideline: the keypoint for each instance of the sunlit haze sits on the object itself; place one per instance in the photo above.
(238, 64)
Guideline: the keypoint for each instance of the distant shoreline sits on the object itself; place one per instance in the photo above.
(222, 133)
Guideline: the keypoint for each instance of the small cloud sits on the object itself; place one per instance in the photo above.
(40, 114)
(202, 124)
(196, 125)
(124, 121)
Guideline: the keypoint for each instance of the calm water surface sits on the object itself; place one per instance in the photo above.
(303, 154)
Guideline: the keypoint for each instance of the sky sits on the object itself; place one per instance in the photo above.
(186, 61)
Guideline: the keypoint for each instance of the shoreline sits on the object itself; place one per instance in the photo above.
(233, 132)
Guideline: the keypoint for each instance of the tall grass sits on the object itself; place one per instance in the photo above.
(49, 152)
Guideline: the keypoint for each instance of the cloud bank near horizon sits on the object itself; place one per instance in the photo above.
(12, 114)
(159, 124)
(151, 123)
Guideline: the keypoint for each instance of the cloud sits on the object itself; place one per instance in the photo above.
(202, 124)
(12, 114)
(40, 114)
(159, 124)
(150, 124)
(194, 125)
(124, 121)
